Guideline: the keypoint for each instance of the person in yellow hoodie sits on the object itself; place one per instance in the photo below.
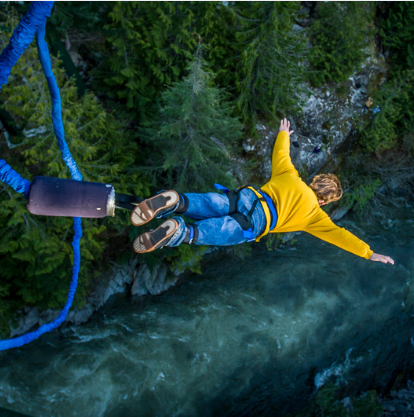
(284, 204)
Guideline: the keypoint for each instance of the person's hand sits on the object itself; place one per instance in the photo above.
(376, 257)
(285, 126)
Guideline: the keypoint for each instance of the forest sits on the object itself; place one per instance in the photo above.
(162, 97)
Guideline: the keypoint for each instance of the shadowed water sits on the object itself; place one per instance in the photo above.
(246, 338)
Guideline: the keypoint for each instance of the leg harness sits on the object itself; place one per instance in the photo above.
(245, 221)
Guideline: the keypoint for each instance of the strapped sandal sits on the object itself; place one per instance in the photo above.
(156, 239)
(154, 207)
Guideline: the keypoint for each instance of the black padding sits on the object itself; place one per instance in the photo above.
(250, 213)
(126, 198)
(195, 237)
(125, 201)
(243, 221)
(233, 196)
(68, 198)
(182, 208)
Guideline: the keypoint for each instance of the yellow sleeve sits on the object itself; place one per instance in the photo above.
(323, 228)
(281, 162)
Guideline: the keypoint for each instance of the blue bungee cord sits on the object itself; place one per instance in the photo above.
(34, 23)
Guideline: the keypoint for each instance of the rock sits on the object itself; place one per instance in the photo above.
(115, 285)
(338, 213)
(26, 322)
(114, 282)
(47, 316)
(248, 145)
(347, 403)
(76, 58)
(390, 408)
(402, 394)
(82, 315)
(139, 287)
(154, 282)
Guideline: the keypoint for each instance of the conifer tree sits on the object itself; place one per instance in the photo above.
(339, 36)
(393, 125)
(269, 61)
(397, 32)
(193, 131)
(152, 44)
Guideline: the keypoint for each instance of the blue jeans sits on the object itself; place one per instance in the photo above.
(215, 226)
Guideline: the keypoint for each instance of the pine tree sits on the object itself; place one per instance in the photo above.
(152, 43)
(192, 132)
(270, 59)
(397, 32)
(339, 36)
(394, 125)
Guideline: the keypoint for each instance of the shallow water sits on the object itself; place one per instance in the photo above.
(246, 338)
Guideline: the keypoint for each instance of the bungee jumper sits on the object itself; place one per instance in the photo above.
(284, 204)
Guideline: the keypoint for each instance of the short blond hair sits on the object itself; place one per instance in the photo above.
(327, 187)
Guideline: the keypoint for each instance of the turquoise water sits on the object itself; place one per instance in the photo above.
(246, 338)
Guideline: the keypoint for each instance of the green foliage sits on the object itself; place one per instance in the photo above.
(273, 240)
(242, 251)
(84, 16)
(187, 257)
(192, 133)
(388, 128)
(395, 122)
(339, 36)
(269, 61)
(151, 44)
(35, 252)
(325, 403)
(251, 46)
(397, 32)
(360, 196)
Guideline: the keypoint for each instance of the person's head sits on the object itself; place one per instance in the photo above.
(327, 188)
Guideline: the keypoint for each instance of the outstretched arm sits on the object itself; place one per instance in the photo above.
(323, 228)
(281, 162)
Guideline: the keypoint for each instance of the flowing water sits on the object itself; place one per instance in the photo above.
(246, 338)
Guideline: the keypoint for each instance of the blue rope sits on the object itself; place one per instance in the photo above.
(9, 176)
(35, 22)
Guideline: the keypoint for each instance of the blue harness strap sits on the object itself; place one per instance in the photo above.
(272, 208)
(35, 22)
(242, 219)
(221, 188)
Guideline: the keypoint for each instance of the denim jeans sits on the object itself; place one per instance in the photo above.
(215, 226)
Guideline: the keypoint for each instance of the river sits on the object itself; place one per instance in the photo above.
(255, 337)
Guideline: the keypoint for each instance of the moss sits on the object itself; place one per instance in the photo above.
(343, 91)
(327, 403)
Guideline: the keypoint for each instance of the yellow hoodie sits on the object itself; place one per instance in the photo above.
(297, 205)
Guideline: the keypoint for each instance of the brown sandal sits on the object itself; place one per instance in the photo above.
(156, 239)
(154, 206)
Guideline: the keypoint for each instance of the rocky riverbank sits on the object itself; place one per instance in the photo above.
(138, 279)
